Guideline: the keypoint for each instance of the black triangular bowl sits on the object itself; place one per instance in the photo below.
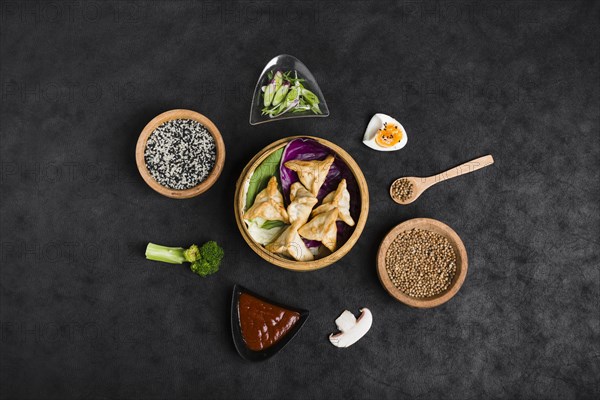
(236, 331)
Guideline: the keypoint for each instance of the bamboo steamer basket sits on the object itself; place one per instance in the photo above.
(276, 259)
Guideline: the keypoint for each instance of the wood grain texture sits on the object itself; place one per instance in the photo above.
(421, 184)
(280, 261)
(433, 226)
(141, 148)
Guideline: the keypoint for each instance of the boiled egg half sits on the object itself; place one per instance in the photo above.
(384, 133)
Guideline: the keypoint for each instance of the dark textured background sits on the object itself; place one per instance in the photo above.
(84, 315)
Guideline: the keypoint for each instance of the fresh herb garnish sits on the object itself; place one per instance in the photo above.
(285, 92)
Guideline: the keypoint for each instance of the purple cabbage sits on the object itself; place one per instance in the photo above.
(307, 150)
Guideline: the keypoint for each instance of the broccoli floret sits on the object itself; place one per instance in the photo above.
(192, 254)
(210, 258)
(203, 268)
(212, 252)
(203, 261)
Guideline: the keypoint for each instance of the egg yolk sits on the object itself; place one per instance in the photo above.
(389, 136)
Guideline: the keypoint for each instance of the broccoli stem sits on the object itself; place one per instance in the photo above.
(172, 255)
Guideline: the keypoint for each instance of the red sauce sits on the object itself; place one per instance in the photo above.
(263, 324)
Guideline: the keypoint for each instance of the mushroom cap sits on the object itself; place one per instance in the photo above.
(351, 332)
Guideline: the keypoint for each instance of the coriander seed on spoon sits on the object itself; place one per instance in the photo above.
(408, 189)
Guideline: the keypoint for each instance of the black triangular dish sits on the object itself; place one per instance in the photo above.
(285, 62)
(236, 331)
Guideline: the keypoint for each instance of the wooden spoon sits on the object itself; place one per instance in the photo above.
(421, 184)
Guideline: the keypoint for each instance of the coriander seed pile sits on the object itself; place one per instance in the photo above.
(180, 154)
(402, 189)
(421, 263)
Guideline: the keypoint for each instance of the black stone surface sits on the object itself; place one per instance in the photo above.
(84, 315)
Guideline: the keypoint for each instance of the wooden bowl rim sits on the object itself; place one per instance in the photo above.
(455, 241)
(302, 266)
(141, 148)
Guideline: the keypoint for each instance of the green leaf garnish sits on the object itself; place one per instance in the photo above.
(272, 224)
(260, 178)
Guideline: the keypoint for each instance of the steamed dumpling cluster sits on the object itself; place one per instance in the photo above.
(338, 200)
(303, 198)
(335, 207)
(289, 243)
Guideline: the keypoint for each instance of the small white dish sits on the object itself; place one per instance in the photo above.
(375, 125)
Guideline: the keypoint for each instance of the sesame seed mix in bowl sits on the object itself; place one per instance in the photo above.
(180, 154)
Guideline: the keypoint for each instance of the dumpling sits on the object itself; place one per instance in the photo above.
(268, 204)
(312, 174)
(322, 228)
(290, 244)
(302, 203)
(339, 199)
(262, 235)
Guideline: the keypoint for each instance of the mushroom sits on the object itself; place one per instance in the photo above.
(351, 329)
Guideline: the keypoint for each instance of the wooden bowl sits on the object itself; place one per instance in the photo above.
(141, 148)
(282, 261)
(440, 228)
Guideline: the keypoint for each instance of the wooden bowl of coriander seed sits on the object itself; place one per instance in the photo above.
(180, 154)
(422, 263)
